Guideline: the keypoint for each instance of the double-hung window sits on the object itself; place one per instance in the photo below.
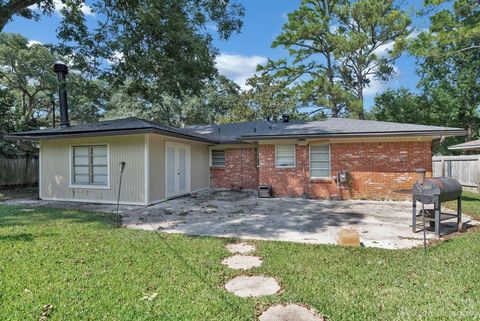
(320, 161)
(285, 155)
(90, 165)
(218, 157)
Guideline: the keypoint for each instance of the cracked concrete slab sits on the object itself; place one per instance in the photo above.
(241, 214)
(252, 286)
(290, 312)
(242, 262)
(242, 248)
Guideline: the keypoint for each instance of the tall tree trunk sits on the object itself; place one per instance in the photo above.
(361, 112)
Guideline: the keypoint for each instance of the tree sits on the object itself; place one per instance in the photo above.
(449, 63)
(27, 72)
(336, 48)
(452, 22)
(24, 9)
(157, 48)
(209, 106)
(267, 98)
(402, 106)
(152, 49)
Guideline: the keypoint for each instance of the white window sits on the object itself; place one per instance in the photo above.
(218, 157)
(285, 155)
(320, 160)
(90, 165)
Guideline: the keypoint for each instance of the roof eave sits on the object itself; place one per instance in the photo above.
(49, 136)
(371, 134)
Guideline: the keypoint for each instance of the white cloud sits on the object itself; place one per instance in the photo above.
(33, 42)
(115, 57)
(377, 86)
(59, 5)
(384, 50)
(86, 9)
(238, 67)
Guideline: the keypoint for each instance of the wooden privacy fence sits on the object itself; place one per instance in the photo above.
(464, 168)
(19, 171)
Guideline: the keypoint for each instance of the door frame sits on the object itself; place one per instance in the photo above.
(188, 168)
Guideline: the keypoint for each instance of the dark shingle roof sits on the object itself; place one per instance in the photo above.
(132, 125)
(474, 144)
(238, 132)
(327, 128)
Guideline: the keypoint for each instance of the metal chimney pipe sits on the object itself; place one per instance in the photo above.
(62, 70)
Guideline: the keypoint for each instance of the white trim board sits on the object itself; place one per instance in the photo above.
(40, 169)
(146, 164)
(92, 201)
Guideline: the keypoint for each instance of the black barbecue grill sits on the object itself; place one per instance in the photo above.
(435, 191)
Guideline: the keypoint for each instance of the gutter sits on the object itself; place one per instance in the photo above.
(459, 132)
(471, 147)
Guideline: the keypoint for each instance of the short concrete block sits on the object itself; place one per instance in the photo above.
(290, 312)
(348, 237)
(242, 262)
(252, 286)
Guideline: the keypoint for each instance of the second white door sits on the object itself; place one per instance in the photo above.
(177, 167)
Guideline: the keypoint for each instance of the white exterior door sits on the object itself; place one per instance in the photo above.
(177, 169)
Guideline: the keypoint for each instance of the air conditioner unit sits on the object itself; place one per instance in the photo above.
(265, 191)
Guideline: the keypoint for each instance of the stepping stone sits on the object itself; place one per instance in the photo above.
(242, 262)
(241, 248)
(290, 312)
(252, 286)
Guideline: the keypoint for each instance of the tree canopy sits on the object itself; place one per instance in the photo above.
(336, 48)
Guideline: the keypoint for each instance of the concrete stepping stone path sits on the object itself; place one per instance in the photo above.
(290, 312)
(242, 262)
(252, 286)
(242, 248)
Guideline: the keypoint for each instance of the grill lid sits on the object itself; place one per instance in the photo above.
(446, 189)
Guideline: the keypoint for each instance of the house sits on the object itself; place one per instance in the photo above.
(331, 158)
(471, 145)
(296, 158)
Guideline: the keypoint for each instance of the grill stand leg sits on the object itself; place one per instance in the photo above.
(414, 216)
(437, 218)
(459, 214)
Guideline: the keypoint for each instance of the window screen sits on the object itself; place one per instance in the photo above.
(89, 165)
(218, 157)
(320, 160)
(285, 155)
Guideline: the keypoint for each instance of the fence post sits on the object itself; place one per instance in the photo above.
(443, 166)
(478, 174)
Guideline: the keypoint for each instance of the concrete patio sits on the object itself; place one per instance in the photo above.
(225, 213)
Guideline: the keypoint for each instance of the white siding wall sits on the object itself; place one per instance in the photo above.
(199, 170)
(157, 168)
(55, 170)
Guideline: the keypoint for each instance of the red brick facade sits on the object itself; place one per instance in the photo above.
(240, 171)
(377, 170)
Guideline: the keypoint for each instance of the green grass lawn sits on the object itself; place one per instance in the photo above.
(470, 204)
(88, 269)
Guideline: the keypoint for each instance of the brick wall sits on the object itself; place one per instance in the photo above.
(240, 171)
(378, 170)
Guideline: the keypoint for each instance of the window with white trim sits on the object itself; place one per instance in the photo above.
(90, 165)
(285, 155)
(218, 157)
(320, 161)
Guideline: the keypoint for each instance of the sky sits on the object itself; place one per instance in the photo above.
(239, 55)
